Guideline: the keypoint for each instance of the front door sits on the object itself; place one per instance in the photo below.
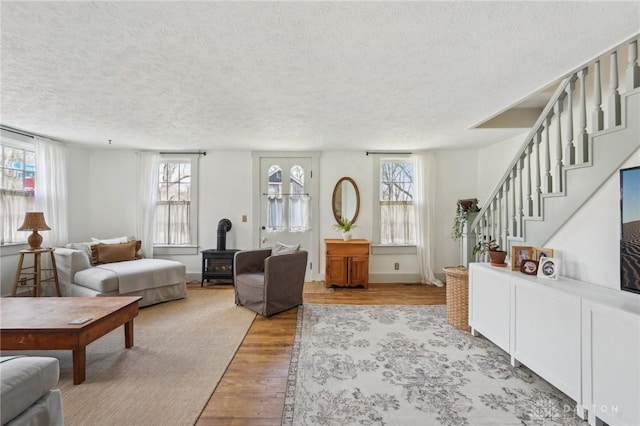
(286, 203)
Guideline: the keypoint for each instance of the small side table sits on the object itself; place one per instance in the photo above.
(34, 273)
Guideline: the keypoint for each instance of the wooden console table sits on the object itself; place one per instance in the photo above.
(347, 263)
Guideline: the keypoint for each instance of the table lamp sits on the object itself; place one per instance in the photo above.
(34, 221)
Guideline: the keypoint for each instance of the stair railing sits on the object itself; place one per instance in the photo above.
(558, 141)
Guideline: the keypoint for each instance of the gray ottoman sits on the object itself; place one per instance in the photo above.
(27, 396)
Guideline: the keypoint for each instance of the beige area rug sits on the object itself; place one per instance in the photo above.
(405, 365)
(181, 350)
(316, 287)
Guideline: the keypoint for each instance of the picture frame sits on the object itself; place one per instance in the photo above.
(529, 267)
(629, 226)
(539, 252)
(548, 268)
(518, 254)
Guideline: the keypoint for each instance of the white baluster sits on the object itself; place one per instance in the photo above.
(582, 140)
(500, 228)
(598, 114)
(548, 179)
(514, 174)
(506, 211)
(493, 220)
(520, 167)
(538, 189)
(569, 148)
(613, 106)
(633, 72)
(529, 193)
(558, 170)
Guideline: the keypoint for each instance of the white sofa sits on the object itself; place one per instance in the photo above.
(28, 396)
(156, 280)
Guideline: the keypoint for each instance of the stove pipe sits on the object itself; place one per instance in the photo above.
(223, 227)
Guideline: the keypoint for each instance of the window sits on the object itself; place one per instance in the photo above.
(176, 208)
(396, 202)
(17, 189)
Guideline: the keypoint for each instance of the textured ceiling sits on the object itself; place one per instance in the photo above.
(289, 75)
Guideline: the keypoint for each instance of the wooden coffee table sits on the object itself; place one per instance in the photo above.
(43, 324)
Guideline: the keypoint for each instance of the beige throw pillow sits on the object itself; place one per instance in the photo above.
(280, 249)
(109, 253)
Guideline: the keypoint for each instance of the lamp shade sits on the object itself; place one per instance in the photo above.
(34, 221)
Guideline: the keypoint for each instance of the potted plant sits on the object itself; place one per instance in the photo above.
(463, 208)
(345, 226)
(496, 255)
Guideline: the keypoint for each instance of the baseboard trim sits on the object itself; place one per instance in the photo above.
(394, 278)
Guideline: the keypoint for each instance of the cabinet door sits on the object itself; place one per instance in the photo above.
(489, 299)
(336, 272)
(546, 334)
(359, 271)
(611, 366)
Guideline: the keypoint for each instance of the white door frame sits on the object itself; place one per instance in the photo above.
(314, 190)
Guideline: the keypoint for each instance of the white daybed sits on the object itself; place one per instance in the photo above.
(156, 280)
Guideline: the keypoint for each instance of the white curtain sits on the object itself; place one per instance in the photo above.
(147, 193)
(275, 214)
(51, 198)
(51, 190)
(425, 171)
(12, 209)
(299, 213)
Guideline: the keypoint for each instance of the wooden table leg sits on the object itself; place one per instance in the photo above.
(79, 364)
(18, 273)
(54, 269)
(128, 334)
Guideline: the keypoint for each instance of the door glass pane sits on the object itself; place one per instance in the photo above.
(275, 202)
(299, 203)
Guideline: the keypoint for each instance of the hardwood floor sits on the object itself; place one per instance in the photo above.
(252, 390)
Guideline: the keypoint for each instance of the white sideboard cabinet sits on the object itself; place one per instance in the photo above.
(582, 338)
(489, 305)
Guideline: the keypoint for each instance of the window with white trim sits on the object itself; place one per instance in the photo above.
(397, 223)
(176, 207)
(17, 188)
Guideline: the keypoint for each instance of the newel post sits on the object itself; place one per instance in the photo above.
(468, 240)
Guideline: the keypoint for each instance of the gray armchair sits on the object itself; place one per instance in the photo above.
(269, 284)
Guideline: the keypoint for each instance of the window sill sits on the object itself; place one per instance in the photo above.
(175, 250)
(389, 249)
(12, 249)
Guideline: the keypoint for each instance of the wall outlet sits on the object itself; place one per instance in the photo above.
(396, 266)
(244, 217)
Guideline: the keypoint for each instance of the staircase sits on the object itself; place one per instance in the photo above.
(569, 153)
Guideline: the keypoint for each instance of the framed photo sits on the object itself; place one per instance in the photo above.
(518, 254)
(539, 252)
(529, 267)
(548, 268)
(630, 229)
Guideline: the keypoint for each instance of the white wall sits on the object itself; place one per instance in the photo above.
(224, 192)
(456, 178)
(588, 245)
(493, 162)
(103, 201)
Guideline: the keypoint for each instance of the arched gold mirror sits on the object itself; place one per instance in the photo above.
(346, 200)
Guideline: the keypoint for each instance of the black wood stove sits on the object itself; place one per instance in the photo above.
(217, 264)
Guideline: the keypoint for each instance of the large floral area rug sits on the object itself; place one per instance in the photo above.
(405, 365)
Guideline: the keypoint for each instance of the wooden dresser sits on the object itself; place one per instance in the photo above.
(347, 263)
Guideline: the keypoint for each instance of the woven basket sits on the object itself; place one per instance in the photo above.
(458, 297)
